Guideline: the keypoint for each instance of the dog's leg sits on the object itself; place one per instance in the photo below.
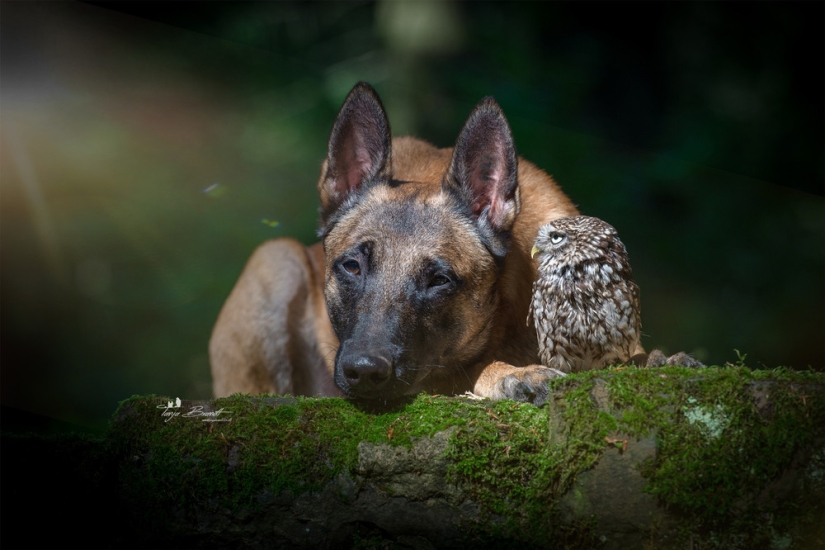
(273, 334)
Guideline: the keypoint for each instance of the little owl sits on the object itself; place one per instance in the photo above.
(585, 302)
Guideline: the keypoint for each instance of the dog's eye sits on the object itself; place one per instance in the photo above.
(439, 280)
(556, 237)
(352, 267)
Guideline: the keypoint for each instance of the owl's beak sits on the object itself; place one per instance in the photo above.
(534, 251)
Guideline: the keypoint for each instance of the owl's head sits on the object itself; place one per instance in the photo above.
(572, 240)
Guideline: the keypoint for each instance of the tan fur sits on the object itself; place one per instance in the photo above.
(273, 334)
(448, 237)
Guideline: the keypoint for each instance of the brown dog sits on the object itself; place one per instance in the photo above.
(424, 279)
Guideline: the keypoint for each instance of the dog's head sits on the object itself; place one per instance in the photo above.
(414, 247)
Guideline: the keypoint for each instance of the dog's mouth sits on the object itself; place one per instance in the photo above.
(375, 376)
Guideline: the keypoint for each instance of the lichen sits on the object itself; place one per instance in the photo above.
(712, 418)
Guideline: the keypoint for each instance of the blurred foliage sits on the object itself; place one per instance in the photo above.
(147, 148)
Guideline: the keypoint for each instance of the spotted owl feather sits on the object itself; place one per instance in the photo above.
(585, 303)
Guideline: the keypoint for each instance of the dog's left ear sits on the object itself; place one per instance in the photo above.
(483, 173)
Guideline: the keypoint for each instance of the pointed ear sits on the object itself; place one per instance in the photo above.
(483, 172)
(359, 149)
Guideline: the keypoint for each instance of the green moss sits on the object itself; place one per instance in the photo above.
(718, 446)
(270, 445)
(719, 449)
(723, 434)
(517, 465)
(504, 456)
(716, 450)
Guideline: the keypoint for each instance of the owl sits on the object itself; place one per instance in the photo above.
(585, 303)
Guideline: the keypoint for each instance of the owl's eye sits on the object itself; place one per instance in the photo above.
(556, 237)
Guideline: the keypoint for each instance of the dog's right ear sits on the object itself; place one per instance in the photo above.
(359, 154)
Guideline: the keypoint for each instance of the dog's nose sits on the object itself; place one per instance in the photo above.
(367, 371)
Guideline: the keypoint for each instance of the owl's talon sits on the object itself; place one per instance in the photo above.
(683, 359)
(658, 359)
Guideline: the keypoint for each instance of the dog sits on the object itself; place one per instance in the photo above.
(422, 279)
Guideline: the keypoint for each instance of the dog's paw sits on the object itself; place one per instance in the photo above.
(528, 385)
(657, 359)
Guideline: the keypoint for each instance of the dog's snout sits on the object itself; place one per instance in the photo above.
(367, 371)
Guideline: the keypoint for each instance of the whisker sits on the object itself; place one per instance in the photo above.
(421, 367)
(467, 376)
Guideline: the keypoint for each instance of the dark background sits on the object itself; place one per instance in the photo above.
(143, 146)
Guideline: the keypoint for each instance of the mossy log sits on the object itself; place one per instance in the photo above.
(622, 458)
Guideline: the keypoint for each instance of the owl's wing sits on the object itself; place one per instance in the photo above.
(529, 313)
(636, 301)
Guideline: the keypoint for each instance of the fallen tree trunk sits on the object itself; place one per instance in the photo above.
(663, 458)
